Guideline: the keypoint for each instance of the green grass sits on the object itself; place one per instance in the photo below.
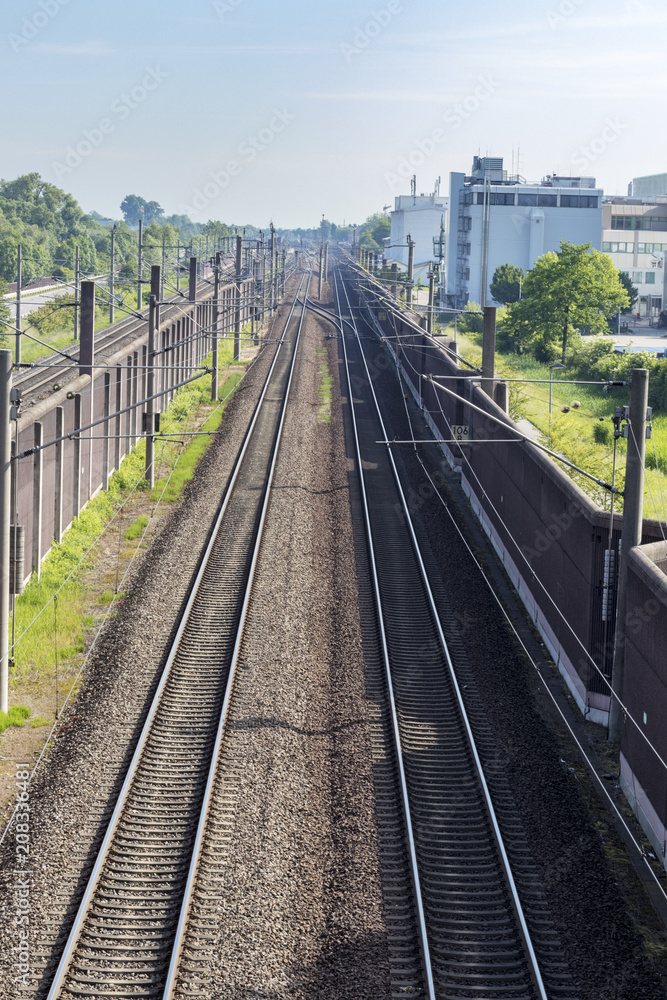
(62, 626)
(16, 716)
(38, 721)
(136, 529)
(583, 434)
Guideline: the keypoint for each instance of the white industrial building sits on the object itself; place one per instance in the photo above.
(497, 219)
(420, 217)
(634, 234)
(648, 188)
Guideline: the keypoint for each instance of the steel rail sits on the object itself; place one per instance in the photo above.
(109, 337)
(181, 930)
(516, 903)
(426, 956)
(94, 879)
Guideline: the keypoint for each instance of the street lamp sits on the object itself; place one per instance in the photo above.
(558, 364)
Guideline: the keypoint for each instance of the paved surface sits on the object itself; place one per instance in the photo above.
(32, 302)
(642, 337)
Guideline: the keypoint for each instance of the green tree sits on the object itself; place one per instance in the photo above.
(506, 284)
(133, 208)
(575, 288)
(626, 281)
(374, 230)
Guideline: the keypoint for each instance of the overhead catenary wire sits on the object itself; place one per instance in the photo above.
(604, 678)
(589, 763)
(113, 603)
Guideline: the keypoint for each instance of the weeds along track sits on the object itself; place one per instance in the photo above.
(463, 902)
(129, 933)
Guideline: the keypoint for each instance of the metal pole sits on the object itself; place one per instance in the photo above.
(140, 264)
(319, 286)
(5, 518)
(77, 261)
(111, 274)
(192, 290)
(150, 388)
(19, 272)
(237, 310)
(275, 278)
(411, 272)
(87, 349)
(178, 265)
(431, 299)
(216, 315)
(164, 266)
(489, 350)
(633, 510)
(273, 257)
(394, 279)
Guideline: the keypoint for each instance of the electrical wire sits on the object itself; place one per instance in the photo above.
(588, 656)
(582, 751)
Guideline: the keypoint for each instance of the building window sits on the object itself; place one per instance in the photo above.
(658, 225)
(623, 222)
(528, 199)
(588, 201)
(480, 197)
(569, 201)
(502, 198)
(547, 200)
(637, 277)
(650, 278)
(467, 274)
(467, 198)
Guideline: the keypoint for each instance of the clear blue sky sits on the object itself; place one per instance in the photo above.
(319, 108)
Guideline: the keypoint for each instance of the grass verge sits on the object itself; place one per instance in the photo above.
(16, 716)
(581, 428)
(49, 631)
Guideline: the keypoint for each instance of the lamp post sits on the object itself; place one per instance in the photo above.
(558, 364)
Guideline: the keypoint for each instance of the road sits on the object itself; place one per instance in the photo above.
(32, 302)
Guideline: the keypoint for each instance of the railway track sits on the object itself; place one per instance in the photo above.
(464, 906)
(132, 925)
(107, 342)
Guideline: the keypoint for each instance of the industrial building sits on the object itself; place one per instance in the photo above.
(634, 234)
(500, 219)
(421, 217)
